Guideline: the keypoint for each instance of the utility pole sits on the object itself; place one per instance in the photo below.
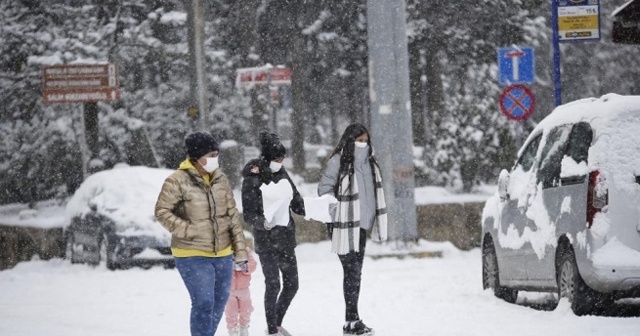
(391, 112)
(198, 102)
(555, 42)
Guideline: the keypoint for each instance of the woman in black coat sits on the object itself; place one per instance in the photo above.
(268, 198)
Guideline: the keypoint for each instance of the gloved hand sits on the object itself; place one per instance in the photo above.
(332, 199)
(242, 266)
(333, 208)
(333, 204)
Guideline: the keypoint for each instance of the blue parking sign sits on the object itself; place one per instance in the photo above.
(516, 66)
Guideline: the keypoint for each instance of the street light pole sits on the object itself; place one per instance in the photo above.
(391, 112)
(557, 75)
(197, 78)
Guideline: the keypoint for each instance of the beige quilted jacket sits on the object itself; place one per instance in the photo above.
(200, 216)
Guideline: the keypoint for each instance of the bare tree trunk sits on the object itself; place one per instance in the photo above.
(259, 112)
(434, 90)
(417, 93)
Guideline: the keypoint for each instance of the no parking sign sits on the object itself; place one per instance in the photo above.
(517, 102)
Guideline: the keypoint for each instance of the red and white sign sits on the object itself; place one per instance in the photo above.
(517, 102)
(73, 83)
(87, 95)
(515, 63)
(263, 75)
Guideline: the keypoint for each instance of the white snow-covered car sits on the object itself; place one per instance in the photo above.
(566, 218)
(111, 219)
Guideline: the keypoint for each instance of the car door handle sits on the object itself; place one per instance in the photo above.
(569, 180)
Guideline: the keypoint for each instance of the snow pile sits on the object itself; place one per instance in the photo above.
(569, 167)
(174, 17)
(440, 195)
(45, 215)
(520, 182)
(125, 194)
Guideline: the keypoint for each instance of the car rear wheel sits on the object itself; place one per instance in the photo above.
(583, 299)
(491, 274)
(107, 253)
(69, 252)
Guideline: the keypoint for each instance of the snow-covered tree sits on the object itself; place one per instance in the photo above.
(454, 92)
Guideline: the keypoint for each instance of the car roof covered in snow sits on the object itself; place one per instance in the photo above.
(615, 121)
(125, 194)
(599, 112)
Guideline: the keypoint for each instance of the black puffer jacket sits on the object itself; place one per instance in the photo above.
(256, 173)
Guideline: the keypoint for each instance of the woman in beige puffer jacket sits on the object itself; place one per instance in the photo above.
(196, 205)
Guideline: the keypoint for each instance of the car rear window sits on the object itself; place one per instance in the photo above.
(580, 141)
(552, 154)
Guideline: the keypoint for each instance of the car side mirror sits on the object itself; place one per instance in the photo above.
(503, 183)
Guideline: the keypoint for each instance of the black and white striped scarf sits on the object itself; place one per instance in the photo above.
(345, 236)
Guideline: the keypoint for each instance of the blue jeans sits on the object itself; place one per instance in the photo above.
(208, 281)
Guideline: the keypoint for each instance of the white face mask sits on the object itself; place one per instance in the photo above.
(361, 144)
(211, 164)
(275, 166)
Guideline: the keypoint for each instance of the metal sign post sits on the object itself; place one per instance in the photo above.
(82, 83)
(557, 81)
(197, 66)
(391, 112)
(269, 76)
(516, 67)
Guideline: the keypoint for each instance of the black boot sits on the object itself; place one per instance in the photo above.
(357, 328)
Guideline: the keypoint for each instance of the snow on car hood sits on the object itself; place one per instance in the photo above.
(125, 194)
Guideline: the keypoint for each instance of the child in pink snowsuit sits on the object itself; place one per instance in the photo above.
(239, 307)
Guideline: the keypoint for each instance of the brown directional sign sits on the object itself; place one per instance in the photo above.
(82, 95)
(65, 83)
(72, 83)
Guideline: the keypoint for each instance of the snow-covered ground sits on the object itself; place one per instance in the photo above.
(441, 296)
(400, 296)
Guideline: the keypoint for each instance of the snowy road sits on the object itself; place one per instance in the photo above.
(399, 297)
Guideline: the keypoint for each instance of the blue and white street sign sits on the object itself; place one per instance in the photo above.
(516, 66)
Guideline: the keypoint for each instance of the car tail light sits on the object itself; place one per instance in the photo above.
(597, 196)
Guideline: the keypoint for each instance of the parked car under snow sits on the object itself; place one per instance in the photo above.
(111, 219)
(566, 218)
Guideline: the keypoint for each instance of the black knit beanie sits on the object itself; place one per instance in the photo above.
(271, 147)
(199, 144)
